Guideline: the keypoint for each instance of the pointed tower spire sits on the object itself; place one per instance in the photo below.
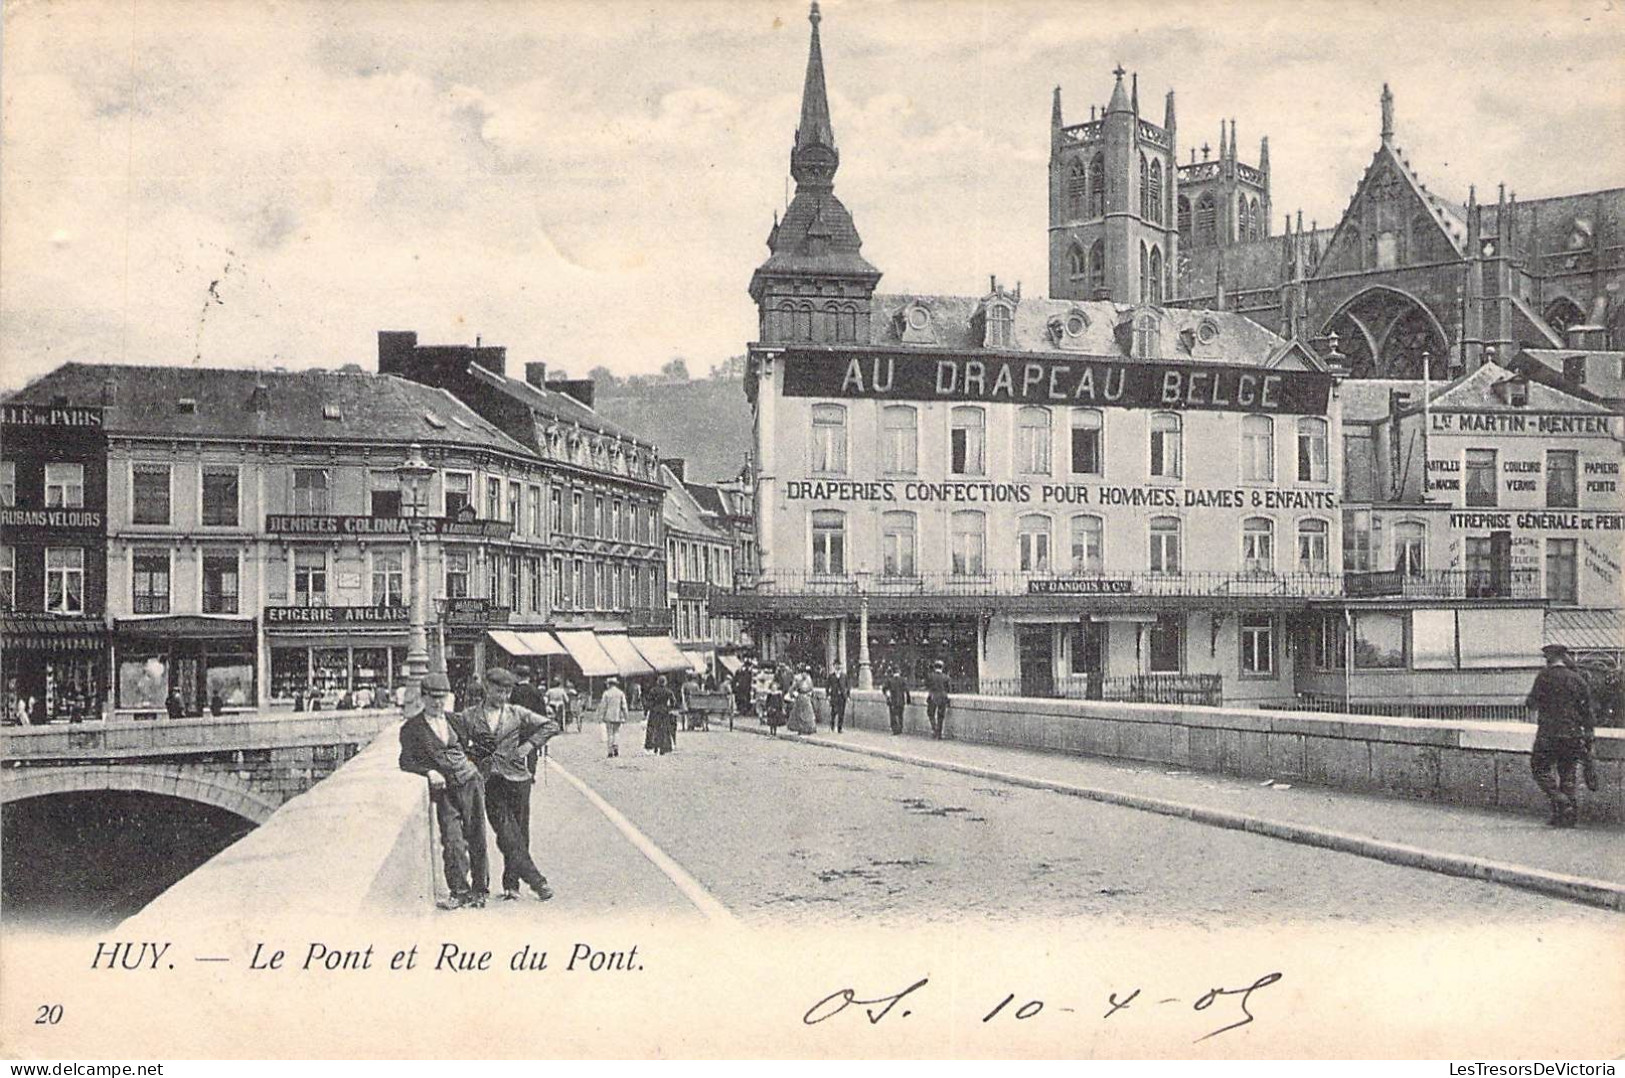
(1224, 150)
(1387, 114)
(1168, 123)
(1055, 111)
(1264, 156)
(1235, 147)
(1119, 101)
(814, 158)
(1134, 94)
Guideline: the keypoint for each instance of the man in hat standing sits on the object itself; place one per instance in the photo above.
(936, 698)
(895, 690)
(502, 736)
(432, 746)
(612, 713)
(1564, 723)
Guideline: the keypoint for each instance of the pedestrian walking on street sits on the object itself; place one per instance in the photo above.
(802, 719)
(936, 698)
(838, 696)
(501, 738)
(896, 693)
(557, 704)
(612, 713)
(657, 736)
(1563, 731)
(432, 746)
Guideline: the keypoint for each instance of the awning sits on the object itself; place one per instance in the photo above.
(186, 627)
(1586, 630)
(510, 642)
(661, 653)
(626, 657)
(46, 633)
(730, 663)
(540, 643)
(583, 646)
(698, 661)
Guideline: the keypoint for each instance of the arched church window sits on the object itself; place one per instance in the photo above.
(1097, 186)
(1255, 222)
(1422, 232)
(1145, 270)
(1184, 219)
(804, 322)
(1154, 189)
(1097, 267)
(1077, 188)
(1207, 221)
(1240, 231)
(1156, 275)
(1145, 187)
(1076, 263)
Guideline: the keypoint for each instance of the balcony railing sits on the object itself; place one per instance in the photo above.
(1201, 583)
(1505, 583)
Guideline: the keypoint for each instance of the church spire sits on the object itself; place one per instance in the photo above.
(1119, 101)
(814, 158)
(1387, 114)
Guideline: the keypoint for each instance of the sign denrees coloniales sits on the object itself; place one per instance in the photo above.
(375, 527)
(1045, 379)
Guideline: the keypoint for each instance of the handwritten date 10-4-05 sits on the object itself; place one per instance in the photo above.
(877, 1008)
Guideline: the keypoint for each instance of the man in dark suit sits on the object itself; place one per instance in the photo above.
(431, 745)
(839, 693)
(1563, 731)
(936, 698)
(501, 739)
(896, 692)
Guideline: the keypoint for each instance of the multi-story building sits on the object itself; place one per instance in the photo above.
(699, 564)
(1049, 495)
(53, 564)
(259, 539)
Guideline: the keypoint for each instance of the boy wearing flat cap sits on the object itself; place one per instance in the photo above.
(1563, 731)
(502, 736)
(432, 746)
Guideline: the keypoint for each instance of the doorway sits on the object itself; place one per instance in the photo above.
(1035, 658)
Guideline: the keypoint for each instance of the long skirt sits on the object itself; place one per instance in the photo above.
(661, 730)
(802, 717)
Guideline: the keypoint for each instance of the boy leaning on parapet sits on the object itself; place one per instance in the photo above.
(431, 746)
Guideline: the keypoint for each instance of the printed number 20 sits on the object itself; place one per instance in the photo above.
(49, 1015)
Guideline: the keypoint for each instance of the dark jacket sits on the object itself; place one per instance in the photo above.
(1563, 701)
(505, 752)
(659, 700)
(838, 689)
(896, 690)
(936, 686)
(422, 752)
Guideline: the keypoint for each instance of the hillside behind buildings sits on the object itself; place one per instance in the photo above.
(705, 421)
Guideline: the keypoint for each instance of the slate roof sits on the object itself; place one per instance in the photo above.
(1240, 340)
(1247, 267)
(1475, 392)
(1605, 371)
(369, 407)
(682, 513)
(1585, 630)
(561, 406)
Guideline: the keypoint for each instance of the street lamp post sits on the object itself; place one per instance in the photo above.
(414, 475)
(866, 677)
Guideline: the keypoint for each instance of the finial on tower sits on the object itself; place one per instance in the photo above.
(814, 158)
(1387, 114)
(1119, 101)
(1055, 110)
(813, 16)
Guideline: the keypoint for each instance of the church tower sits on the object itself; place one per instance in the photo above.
(1113, 184)
(815, 287)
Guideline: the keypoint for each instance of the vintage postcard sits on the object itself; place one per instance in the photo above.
(838, 529)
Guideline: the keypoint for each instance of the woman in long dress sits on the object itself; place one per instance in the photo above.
(657, 738)
(802, 718)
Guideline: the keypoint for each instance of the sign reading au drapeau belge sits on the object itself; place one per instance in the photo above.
(1046, 379)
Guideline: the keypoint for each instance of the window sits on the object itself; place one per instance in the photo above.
(558, 511)
(1184, 218)
(1314, 546)
(1258, 645)
(1097, 186)
(150, 582)
(456, 569)
(534, 494)
(1561, 581)
(1097, 267)
(829, 439)
(515, 516)
(1087, 550)
(149, 494)
(1410, 548)
(388, 579)
(577, 522)
(829, 542)
(1088, 429)
(1147, 337)
(1311, 450)
(310, 491)
(309, 578)
(1154, 193)
(600, 513)
(968, 552)
(1077, 187)
(493, 498)
(966, 436)
(1433, 640)
(1331, 634)
(1165, 544)
(1207, 221)
(1562, 490)
(1379, 640)
(459, 492)
(617, 520)
(1033, 441)
(897, 544)
(558, 583)
(899, 440)
(65, 486)
(1145, 188)
(1076, 263)
(1165, 454)
(384, 495)
(1258, 545)
(1145, 272)
(1033, 536)
(1000, 332)
(8, 577)
(1165, 651)
(65, 580)
(1480, 477)
(1257, 449)
(1156, 276)
(8, 483)
(220, 582)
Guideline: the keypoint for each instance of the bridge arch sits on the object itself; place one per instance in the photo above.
(1384, 331)
(173, 780)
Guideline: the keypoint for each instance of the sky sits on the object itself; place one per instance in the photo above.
(271, 182)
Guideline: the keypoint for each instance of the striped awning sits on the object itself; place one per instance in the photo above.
(1586, 630)
(587, 652)
(52, 633)
(626, 657)
(661, 653)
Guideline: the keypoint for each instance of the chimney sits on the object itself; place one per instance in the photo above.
(536, 374)
(109, 392)
(678, 466)
(395, 348)
(259, 399)
(579, 389)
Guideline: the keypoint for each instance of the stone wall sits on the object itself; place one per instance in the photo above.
(1467, 763)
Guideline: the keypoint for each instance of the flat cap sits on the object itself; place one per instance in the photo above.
(499, 676)
(437, 683)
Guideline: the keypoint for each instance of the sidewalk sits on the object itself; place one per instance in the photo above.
(1586, 864)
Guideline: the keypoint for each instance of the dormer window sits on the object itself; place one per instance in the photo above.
(916, 324)
(1208, 331)
(187, 406)
(1000, 329)
(1147, 337)
(1514, 391)
(1067, 330)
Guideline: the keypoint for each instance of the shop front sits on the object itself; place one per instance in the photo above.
(52, 669)
(184, 665)
(336, 657)
(465, 649)
(913, 643)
